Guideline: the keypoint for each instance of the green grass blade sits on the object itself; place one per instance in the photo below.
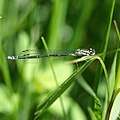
(85, 12)
(99, 72)
(50, 100)
(110, 96)
(115, 111)
(98, 107)
(96, 57)
(109, 28)
(55, 77)
(92, 114)
(97, 103)
(5, 70)
(111, 82)
(117, 30)
(117, 84)
(104, 67)
(57, 21)
(87, 88)
(113, 88)
(62, 88)
(3, 62)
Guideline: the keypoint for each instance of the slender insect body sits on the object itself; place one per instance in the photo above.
(28, 55)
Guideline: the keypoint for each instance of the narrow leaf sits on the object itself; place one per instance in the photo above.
(115, 111)
(92, 114)
(61, 89)
(97, 104)
(111, 81)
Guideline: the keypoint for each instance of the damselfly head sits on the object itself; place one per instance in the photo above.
(92, 51)
(85, 52)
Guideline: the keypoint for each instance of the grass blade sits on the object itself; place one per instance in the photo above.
(57, 22)
(92, 115)
(99, 72)
(117, 30)
(98, 107)
(3, 62)
(62, 88)
(111, 82)
(55, 77)
(115, 108)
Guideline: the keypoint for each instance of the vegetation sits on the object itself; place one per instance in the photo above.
(67, 88)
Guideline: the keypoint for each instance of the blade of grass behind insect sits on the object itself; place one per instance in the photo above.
(99, 72)
(97, 104)
(105, 106)
(1, 7)
(61, 89)
(3, 63)
(115, 111)
(92, 115)
(84, 14)
(96, 57)
(55, 77)
(87, 88)
(111, 88)
(111, 82)
(57, 22)
(117, 30)
(117, 84)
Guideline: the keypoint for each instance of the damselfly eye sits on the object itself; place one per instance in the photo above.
(78, 50)
(92, 51)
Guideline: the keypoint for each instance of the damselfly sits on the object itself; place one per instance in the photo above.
(32, 55)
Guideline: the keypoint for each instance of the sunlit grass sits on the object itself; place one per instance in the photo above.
(28, 90)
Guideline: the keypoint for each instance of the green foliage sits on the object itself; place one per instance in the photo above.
(30, 89)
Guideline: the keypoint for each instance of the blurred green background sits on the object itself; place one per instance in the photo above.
(65, 25)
